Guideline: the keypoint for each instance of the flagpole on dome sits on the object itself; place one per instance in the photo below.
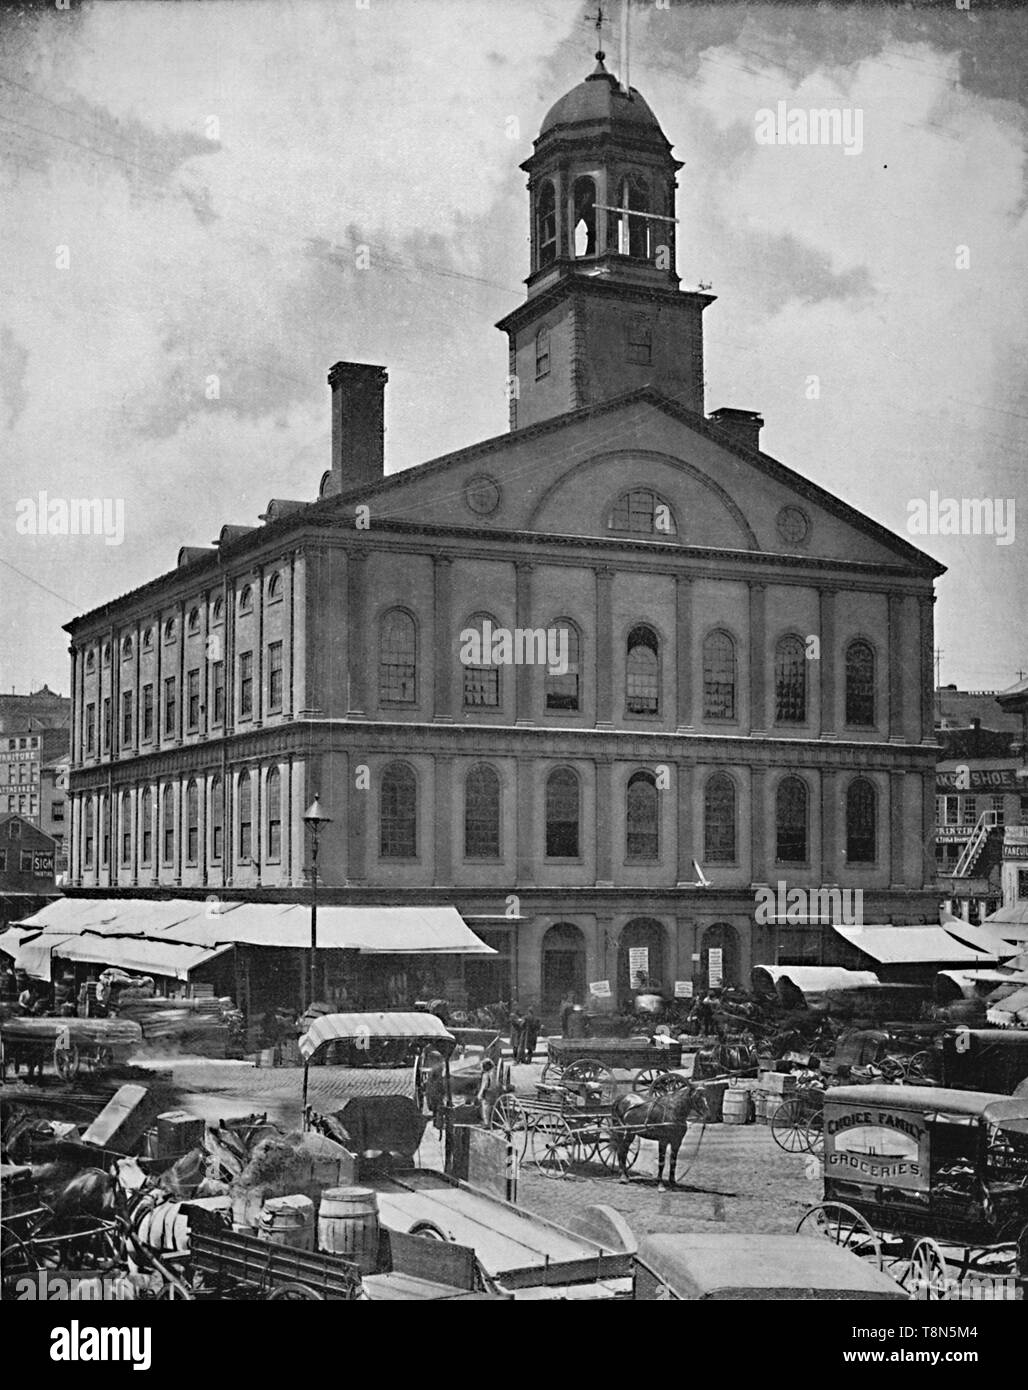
(626, 85)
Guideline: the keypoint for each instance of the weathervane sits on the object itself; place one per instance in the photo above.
(598, 20)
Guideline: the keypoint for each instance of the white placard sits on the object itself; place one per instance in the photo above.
(638, 962)
(683, 989)
(715, 966)
(600, 989)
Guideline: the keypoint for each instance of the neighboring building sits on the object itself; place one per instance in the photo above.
(40, 709)
(27, 864)
(24, 753)
(748, 682)
(53, 806)
(958, 709)
(1014, 863)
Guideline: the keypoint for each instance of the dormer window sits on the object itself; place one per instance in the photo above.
(547, 224)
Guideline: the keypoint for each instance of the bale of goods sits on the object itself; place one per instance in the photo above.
(288, 1221)
(178, 1132)
(737, 1108)
(778, 1083)
(348, 1226)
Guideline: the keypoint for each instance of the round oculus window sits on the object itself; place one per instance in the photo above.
(482, 495)
(793, 525)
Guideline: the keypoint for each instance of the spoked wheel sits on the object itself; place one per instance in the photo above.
(510, 1119)
(790, 1122)
(645, 1078)
(816, 1131)
(916, 1068)
(664, 1082)
(552, 1074)
(102, 1059)
(927, 1275)
(588, 1069)
(840, 1224)
(67, 1061)
(608, 1154)
(553, 1145)
(295, 1293)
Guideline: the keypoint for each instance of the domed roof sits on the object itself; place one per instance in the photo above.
(600, 100)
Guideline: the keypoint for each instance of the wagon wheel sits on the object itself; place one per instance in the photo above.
(927, 1275)
(840, 1224)
(815, 1130)
(430, 1231)
(67, 1060)
(102, 1059)
(789, 1125)
(552, 1073)
(295, 1293)
(510, 1119)
(607, 1149)
(588, 1069)
(645, 1078)
(664, 1082)
(916, 1067)
(553, 1145)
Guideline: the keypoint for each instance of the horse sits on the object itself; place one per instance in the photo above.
(662, 1117)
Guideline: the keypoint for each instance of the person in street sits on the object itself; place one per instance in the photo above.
(489, 1090)
(8, 982)
(567, 1008)
(517, 1032)
(530, 1034)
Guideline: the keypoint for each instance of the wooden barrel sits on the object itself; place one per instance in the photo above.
(348, 1225)
(288, 1221)
(736, 1106)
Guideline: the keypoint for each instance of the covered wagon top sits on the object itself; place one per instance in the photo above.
(398, 1027)
(744, 1267)
(929, 1100)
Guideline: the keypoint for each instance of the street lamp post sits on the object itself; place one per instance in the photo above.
(314, 819)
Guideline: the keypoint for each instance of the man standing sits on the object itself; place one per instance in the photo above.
(530, 1034)
(517, 1032)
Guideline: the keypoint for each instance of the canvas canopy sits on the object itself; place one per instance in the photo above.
(357, 1028)
(811, 981)
(912, 946)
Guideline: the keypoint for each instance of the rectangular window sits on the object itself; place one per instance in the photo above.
(57, 810)
(639, 345)
(91, 728)
(146, 847)
(193, 701)
(106, 723)
(1022, 884)
(147, 713)
(542, 353)
(275, 677)
(245, 685)
(999, 804)
(3, 861)
(26, 861)
(218, 679)
(126, 845)
(968, 810)
(275, 840)
(481, 686)
(170, 707)
(192, 843)
(126, 718)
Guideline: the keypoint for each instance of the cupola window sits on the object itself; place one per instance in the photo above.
(584, 220)
(547, 224)
(631, 235)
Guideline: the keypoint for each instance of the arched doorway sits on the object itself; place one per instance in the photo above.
(563, 967)
(723, 937)
(639, 935)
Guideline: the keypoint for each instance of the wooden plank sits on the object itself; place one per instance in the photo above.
(424, 1258)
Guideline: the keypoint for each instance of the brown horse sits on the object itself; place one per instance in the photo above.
(662, 1117)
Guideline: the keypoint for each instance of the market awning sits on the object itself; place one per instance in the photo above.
(361, 1028)
(912, 946)
(1011, 922)
(812, 981)
(37, 957)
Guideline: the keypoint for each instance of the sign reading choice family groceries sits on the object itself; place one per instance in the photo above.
(867, 1145)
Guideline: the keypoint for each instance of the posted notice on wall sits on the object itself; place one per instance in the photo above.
(715, 966)
(638, 961)
(600, 989)
(683, 989)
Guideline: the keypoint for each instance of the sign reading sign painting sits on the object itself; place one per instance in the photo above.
(43, 865)
(877, 1146)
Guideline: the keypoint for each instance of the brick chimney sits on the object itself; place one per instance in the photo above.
(358, 425)
(744, 426)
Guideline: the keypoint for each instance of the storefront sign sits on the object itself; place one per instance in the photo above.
(980, 779)
(683, 989)
(638, 962)
(1015, 851)
(870, 1145)
(43, 865)
(715, 966)
(600, 989)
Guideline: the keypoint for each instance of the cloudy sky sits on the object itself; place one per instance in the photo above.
(210, 169)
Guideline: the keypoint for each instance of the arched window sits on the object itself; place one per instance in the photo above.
(217, 610)
(273, 796)
(169, 630)
(193, 622)
(90, 662)
(167, 825)
(125, 827)
(126, 648)
(630, 236)
(482, 814)
(861, 822)
(481, 677)
(642, 513)
(642, 672)
(860, 684)
(89, 833)
(790, 681)
(562, 814)
(719, 820)
(192, 823)
(275, 587)
(642, 817)
(107, 653)
(245, 818)
(245, 599)
(398, 813)
(542, 353)
(563, 691)
(147, 638)
(791, 821)
(146, 829)
(719, 676)
(583, 220)
(546, 224)
(217, 818)
(397, 658)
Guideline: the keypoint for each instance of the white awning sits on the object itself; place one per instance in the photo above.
(983, 938)
(912, 946)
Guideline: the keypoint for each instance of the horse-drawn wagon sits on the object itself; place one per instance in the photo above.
(71, 1043)
(931, 1184)
(605, 1056)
